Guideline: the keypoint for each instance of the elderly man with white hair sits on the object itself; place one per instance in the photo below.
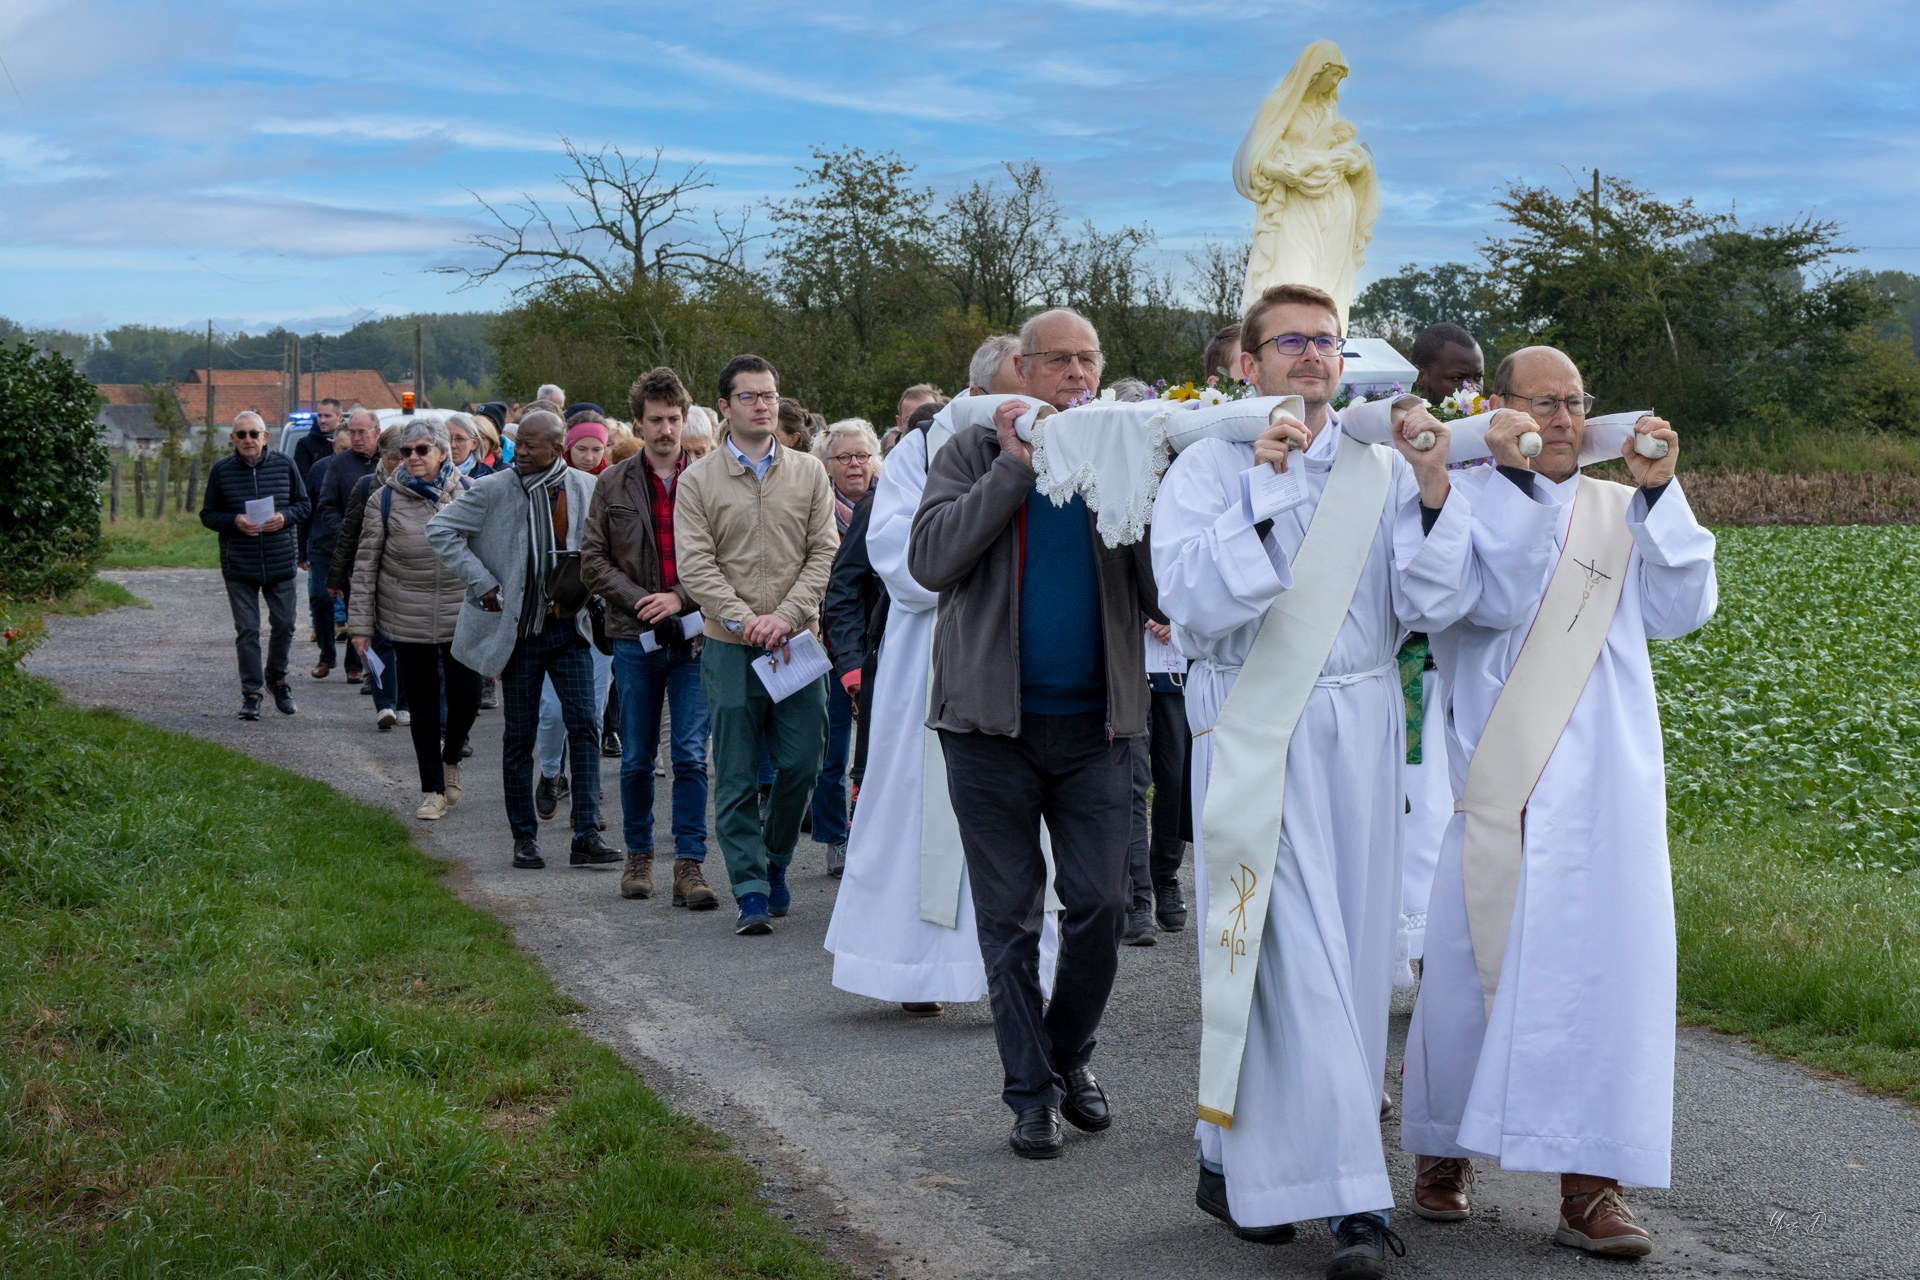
(552, 394)
(256, 501)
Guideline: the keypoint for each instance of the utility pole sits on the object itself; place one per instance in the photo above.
(1596, 208)
(296, 371)
(313, 374)
(209, 380)
(419, 378)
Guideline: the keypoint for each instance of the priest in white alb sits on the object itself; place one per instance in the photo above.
(1543, 1036)
(903, 927)
(1292, 611)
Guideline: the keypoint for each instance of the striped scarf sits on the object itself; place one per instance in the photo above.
(540, 545)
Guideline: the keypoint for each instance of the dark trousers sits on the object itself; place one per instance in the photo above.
(387, 689)
(559, 653)
(283, 606)
(421, 669)
(830, 788)
(746, 723)
(863, 717)
(1065, 770)
(1166, 762)
(321, 606)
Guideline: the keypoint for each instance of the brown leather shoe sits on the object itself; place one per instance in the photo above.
(1595, 1218)
(690, 887)
(1440, 1186)
(637, 880)
(922, 1008)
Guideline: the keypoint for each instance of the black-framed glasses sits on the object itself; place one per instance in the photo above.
(1543, 407)
(1060, 361)
(1325, 345)
(748, 399)
(249, 435)
(421, 450)
(850, 457)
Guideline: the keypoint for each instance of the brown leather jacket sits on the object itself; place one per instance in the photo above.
(619, 554)
(965, 545)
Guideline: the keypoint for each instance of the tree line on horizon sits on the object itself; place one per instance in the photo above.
(865, 281)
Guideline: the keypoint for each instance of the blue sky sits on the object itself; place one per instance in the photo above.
(264, 162)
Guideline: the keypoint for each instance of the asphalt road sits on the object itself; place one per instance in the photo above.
(884, 1137)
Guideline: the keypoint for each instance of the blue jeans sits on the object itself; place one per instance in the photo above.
(647, 681)
(830, 790)
(551, 746)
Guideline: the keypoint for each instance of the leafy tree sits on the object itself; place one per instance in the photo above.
(50, 494)
(1219, 273)
(1399, 306)
(996, 247)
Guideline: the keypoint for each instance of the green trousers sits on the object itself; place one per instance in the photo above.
(796, 734)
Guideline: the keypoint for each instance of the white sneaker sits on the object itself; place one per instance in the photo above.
(451, 790)
(432, 806)
(405, 718)
(384, 718)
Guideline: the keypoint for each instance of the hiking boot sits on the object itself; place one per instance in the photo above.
(283, 698)
(1440, 1187)
(778, 899)
(1211, 1197)
(637, 880)
(753, 919)
(1139, 930)
(589, 850)
(249, 706)
(526, 854)
(690, 887)
(1360, 1245)
(450, 788)
(1169, 907)
(837, 859)
(546, 797)
(1594, 1217)
(433, 807)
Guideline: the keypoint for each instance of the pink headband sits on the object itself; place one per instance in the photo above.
(586, 431)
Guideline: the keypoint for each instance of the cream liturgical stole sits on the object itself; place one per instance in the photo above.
(1533, 709)
(1240, 823)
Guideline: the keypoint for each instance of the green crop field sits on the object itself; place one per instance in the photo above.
(1791, 768)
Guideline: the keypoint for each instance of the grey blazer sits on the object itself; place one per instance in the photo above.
(481, 537)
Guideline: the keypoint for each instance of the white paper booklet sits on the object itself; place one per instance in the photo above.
(1163, 658)
(1265, 493)
(807, 662)
(259, 510)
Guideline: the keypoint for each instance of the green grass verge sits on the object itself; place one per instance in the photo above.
(1790, 452)
(175, 541)
(97, 596)
(1791, 764)
(245, 1030)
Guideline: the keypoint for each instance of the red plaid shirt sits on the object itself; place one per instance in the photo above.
(663, 518)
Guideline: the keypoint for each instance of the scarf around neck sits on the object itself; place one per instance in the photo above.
(540, 544)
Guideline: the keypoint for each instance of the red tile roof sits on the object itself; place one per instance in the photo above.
(264, 391)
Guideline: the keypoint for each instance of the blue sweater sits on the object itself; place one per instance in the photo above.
(1062, 650)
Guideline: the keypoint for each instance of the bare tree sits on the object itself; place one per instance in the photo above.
(999, 245)
(623, 225)
(1219, 277)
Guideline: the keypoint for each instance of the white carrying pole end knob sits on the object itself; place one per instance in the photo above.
(1530, 444)
(1425, 441)
(1649, 446)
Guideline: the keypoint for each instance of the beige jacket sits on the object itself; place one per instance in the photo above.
(744, 547)
(400, 588)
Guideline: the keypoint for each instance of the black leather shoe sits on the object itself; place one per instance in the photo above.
(1360, 1248)
(283, 698)
(610, 745)
(249, 706)
(546, 798)
(1085, 1104)
(589, 850)
(526, 854)
(1211, 1196)
(1036, 1134)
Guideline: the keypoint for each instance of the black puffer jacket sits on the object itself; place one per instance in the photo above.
(263, 558)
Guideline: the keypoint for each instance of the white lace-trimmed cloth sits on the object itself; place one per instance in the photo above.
(1112, 453)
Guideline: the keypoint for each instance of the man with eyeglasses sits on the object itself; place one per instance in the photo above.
(1543, 1034)
(1291, 620)
(258, 558)
(754, 540)
(1039, 689)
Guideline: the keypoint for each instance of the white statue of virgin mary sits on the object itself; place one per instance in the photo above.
(1312, 181)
